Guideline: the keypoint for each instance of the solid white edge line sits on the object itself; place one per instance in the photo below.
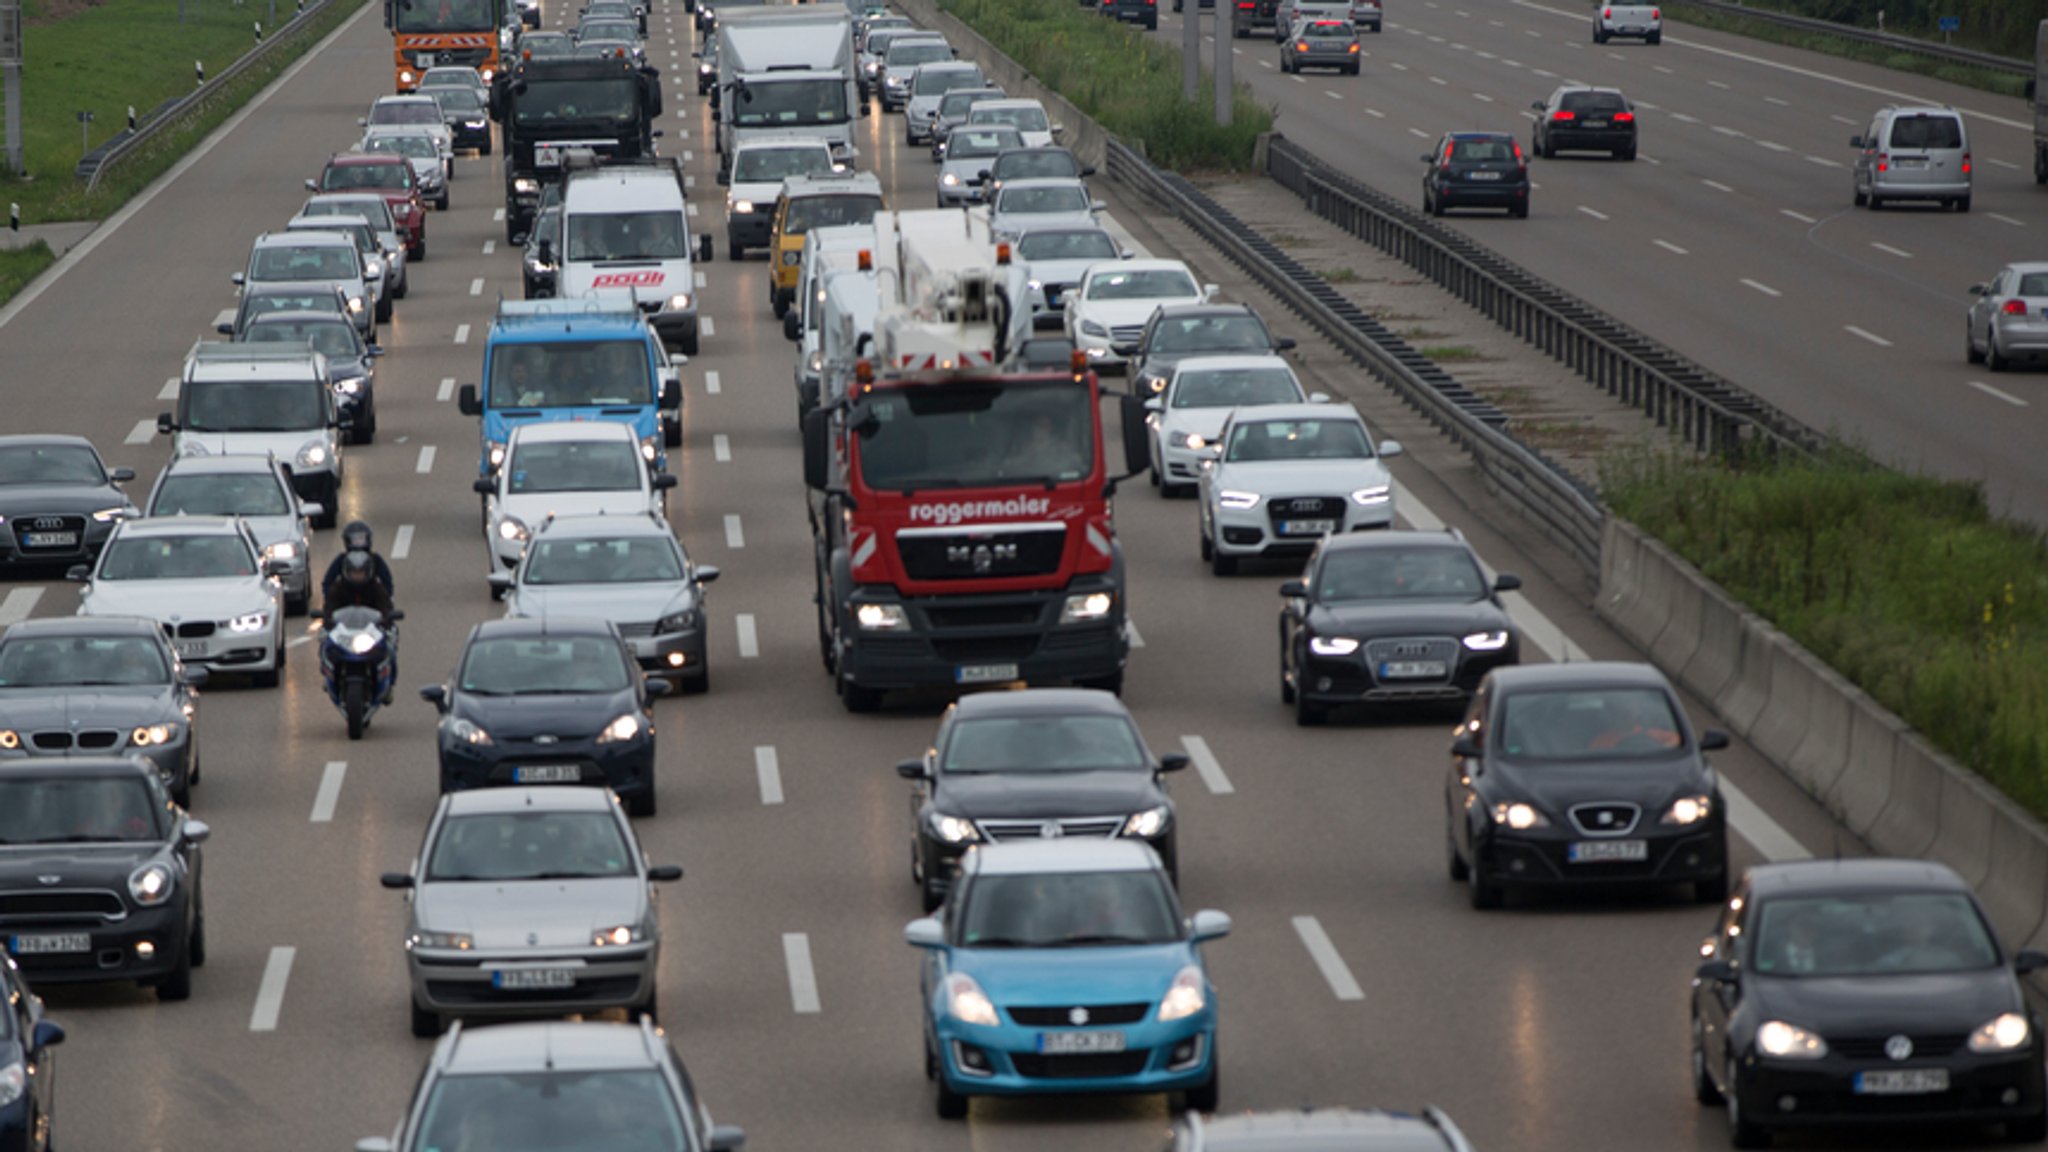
(1766, 835)
(1326, 958)
(277, 971)
(330, 791)
(2001, 393)
(426, 463)
(750, 640)
(735, 535)
(769, 769)
(18, 604)
(401, 542)
(1206, 765)
(803, 979)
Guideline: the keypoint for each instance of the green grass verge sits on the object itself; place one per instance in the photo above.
(1126, 83)
(1904, 584)
(20, 265)
(1984, 79)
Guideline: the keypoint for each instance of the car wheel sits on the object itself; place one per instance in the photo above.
(1970, 353)
(417, 252)
(1286, 685)
(384, 308)
(298, 605)
(1484, 894)
(1862, 201)
(1993, 358)
(399, 291)
(484, 149)
(1711, 891)
(1876, 205)
(950, 1105)
(275, 674)
(1221, 564)
(781, 306)
(1703, 1088)
(1208, 547)
(735, 251)
(1351, 71)
(1962, 203)
(425, 1025)
(1654, 38)
(930, 896)
(1742, 1132)
(1308, 714)
(1112, 683)
(641, 803)
(1455, 863)
(1207, 1096)
(441, 202)
(181, 791)
(1599, 37)
(1520, 211)
(696, 685)
(196, 946)
(178, 985)
(1284, 66)
(1628, 153)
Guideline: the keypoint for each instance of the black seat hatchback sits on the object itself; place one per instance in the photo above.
(1476, 170)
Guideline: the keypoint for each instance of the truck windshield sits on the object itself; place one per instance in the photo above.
(446, 16)
(627, 236)
(570, 374)
(821, 101)
(545, 102)
(973, 434)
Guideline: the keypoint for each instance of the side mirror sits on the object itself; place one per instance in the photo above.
(500, 582)
(1294, 589)
(1155, 404)
(1127, 253)
(466, 400)
(725, 179)
(704, 248)
(1087, 171)
(237, 279)
(47, 1034)
(1465, 748)
(2029, 961)
(1855, 141)
(362, 121)
(312, 185)
(818, 450)
(706, 573)
(1209, 924)
(726, 1138)
(1506, 582)
(121, 475)
(373, 351)
(1390, 448)
(1098, 205)
(435, 694)
(1713, 739)
(663, 873)
(312, 510)
(1174, 762)
(195, 832)
(1979, 289)
(663, 481)
(224, 329)
(1428, 158)
(656, 689)
(484, 486)
(78, 573)
(1537, 105)
(1283, 344)
(793, 324)
(275, 568)
(396, 881)
(397, 614)
(1322, 398)
(911, 769)
(1715, 972)
(374, 1144)
(925, 933)
(194, 676)
(1059, 129)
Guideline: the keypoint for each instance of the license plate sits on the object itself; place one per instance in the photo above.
(1485, 175)
(1596, 123)
(1307, 527)
(1412, 669)
(1068, 1043)
(547, 774)
(50, 943)
(984, 673)
(547, 156)
(426, 59)
(1608, 851)
(520, 979)
(1902, 1082)
(50, 540)
(1910, 162)
(190, 649)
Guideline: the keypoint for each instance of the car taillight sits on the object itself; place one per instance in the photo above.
(1966, 163)
(1624, 117)
(1607, 13)
(2014, 308)
(1518, 154)
(1301, 47)
(1563, 114)
(1884, 161)
(1656, 14)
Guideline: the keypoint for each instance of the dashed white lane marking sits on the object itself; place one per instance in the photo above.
(476, 286)
(2001, 163)
(1206, 765)
(1802, 217)
(1725, 130)
(1717, 84)
(711, 381)
(1328, 962)
(446, 391)
(1400, 67)
(1823, 161)
(1778, 102)
(1661, 68)
(1844, 120)
(688, 155)
(299, 641)
(721, 448)
(1668, 246)
(143, 431)
(1717, 186)
(1266, 64)
(18, 604)
(689, 183)
(2002, 219)
(169, 391)
(690, 208)
(1873, 337)
(1901, 253)
(1439, 80)
(1300, 79)
(1333, 95)
(803, 979)
(462, 333)
(1595, 213)
(1682, 118)
(1773, 145)
(1766, 289)
(750, 640)
(699, 277)
(2001, 393)
(735, 536)
(1375, 113)
(682, 134)
(426, 463)
(1131, 632)
(498, 216)
(330, 791)
(270, 993)
(1418, 133)
(490, 246)
(1482, 97)
(770, 773)
(709, 325)
(401, 542)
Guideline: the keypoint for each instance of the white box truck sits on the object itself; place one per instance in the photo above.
(787, 71)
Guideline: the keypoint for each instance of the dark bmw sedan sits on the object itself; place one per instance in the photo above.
(28, 1073)
(1578, 774)
(1845, 992)
(1391, 617)
(548, 701)
(58, 501)
(1476, 170)
(99, 875)
(1038, 764)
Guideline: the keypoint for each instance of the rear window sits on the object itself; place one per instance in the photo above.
(1927, 132)
(1594, 102)
(2033, 284)
(1482, 151)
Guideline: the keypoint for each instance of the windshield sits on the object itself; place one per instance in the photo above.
(1588, 724)
(602, 1111)
(966, 143)
(927, 82)
(955, 104)
(1871, 934)
(1232, 387)
(405, 112)
(546, 101)
(1154, 284)
(374, 209)
(540, 45)
(971, 434)
(308, 262)
(1226, 333)
(49, 464)
(415, 147)
(335, 340)
(1067, 246)
(249, 406)
(1399, 574)
(1018, 201)
(909, 55)
(773, 165)
(1050, 164)
(1023, 118)
(627, 236)
(1068, 909)
(1043, 744)
(570, 375)
(1299, 440)
(628, 560)
(177, 558)
(266, 303)
(82, 661)
(339, 177)
(446, 16)
(530, 846)
(808, 212)
(57, 809)
(573, 467)
(543, 666)
(781, 102)
(220, 494)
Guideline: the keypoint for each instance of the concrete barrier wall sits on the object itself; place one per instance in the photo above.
(1872, 770)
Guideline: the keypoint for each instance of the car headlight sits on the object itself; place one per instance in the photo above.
(153, 735)
(1083, 607)
(351, 387)
(13, 1082)
(881, 617)
(373, 268)
(1194, 440)
(620, 730)
(677, 621)
(312, 454)
(966, 1002)
(952, 180)
(151, 884)
(742, 208)
(679, 302)
(1789, 1041)
(954, 829)
(1332, 645)
(1091, 328)
(401, 210)
(468, 732)
(1149, 823)
(2002, 1034)
(460, 941)
(109, 515)
(473, 125)
(282, 550)
(511, 528)
(525, 186)
(1237, 501)
(619, 936)
(355, 303)
(1186, 997)
(703, 69)
(494, 451)
(250, 622)
(9, 740)
(815, 366)
(1035, 285)
(362, 643)
(650, 447)
(790, 259)
(1519, 816)
(1368, 497)
(1487, 641)
(1689, 810)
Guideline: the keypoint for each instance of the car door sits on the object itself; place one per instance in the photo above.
(1866, 160)
(1715, 1001)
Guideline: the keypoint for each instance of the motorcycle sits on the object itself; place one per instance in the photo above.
(356, 666)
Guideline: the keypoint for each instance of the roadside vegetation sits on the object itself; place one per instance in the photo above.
(1907, 585)
(1130, 85)
(2010, 34)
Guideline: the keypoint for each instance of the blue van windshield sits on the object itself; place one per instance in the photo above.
(570, 375)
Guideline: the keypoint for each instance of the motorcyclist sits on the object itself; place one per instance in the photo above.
(356, 537)
(358, 587)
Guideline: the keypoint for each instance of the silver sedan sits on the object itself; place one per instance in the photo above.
(2008, 320)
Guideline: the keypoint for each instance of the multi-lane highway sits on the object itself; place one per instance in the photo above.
(1357, 974)
(1736, 217)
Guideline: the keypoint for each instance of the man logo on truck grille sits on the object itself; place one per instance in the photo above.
(982, 556)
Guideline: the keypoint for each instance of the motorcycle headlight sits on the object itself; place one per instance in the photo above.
(1519, 816)
(250, 622)
(9, 740)
(1789, 1041)
(525, 186)
(1149, 823)
(512, 528)
(620, 730)
(679, 302)
(618, 937)
(1332, 645)
(468, 732)
(361, 643)
(881, 618)
(742, 207)
(1487, 641)
(1237, 501)
(967, 1003)
(109, 515)
(153, 735)
(954, 829)
(1368, 497)
(1186, 997)
(2002, 1034)
(282, 550)
(460, 941)
(312, 454)
(677, 621)
(151, 884)
(1084, 607)
(1688, 810)
(13, 1083)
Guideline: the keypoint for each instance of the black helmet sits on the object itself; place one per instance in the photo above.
(356, 537)
(355, 567)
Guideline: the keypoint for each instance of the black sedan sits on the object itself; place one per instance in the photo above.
(556, 701)
(1391, 617)
(1577, 118)
(58, 501)
(99, 686)
(99, 875)
(1041, 763)
(28, 1085)
(1476, 170)
(1180, 331)
(1850, 992)
(1583, 774)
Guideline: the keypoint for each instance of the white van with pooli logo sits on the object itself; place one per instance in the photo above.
(625, 231)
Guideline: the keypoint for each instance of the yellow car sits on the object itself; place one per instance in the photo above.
(808, 202)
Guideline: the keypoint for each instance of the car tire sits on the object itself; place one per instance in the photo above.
(425, 1025)
(929, 897)
(441, 202)
(641, 803)
(1962, 203)
(1284, 67)
(178, 984)
(384, 308)
(1703, 1088)
(1970, 353)
(1112, 683)
(1742, 1131)
(1220, 564)
(696, 685)
(1712, 891)
(735, 251)
(780, 305)
(511, 230)
(275, 675)
(1520, 211)
(1654, 38)
(1993, 358)
(1308, 714)
(1208, 547)
(181, 791)
(300, 605)
(404, 286)
(1351, 71)
(1862, 201)
(1628, 153)
(196, 946)
(1207, 1096)
(949, 1105)
(1874, 203)
(1484, 894)
(484, 149)
(1599, 37)
(1240, 33)
(417, 252)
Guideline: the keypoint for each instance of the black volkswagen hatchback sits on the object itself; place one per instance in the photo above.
(1842, 992)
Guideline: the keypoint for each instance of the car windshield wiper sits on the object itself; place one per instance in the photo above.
(1005, 942)
(568, 876)
(80, 838)
(1103, 938)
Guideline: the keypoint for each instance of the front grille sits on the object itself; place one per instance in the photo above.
(1086, 1066)
(986, 650)
(26, 526)
(449, 57)
(1021, 615)
(972, 554)
(632, 631)
(1098, 827)
(1610, 819)
(1872, 1047)
(1063, 1017)
(58, 740)
(1284, 508)
(1124, 335)
(1410, 650)
(190, 629)
(62, 904)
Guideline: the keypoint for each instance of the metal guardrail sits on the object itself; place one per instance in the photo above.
(1540, 488)
(1891, 40)
(172, 112)
(1700, 407)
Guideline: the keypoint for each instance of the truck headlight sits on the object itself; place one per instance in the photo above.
(151, 884)
(1085, 607)
(1237, 501)
(881, 617)
(679, 302)
(250, 622)
(742, 208)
